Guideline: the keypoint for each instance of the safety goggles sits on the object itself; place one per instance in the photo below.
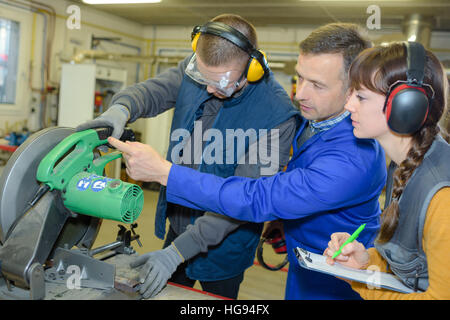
(222, 82)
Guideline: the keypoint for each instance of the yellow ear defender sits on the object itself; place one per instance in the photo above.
(194, 41)
(255, 69)
(257, 65)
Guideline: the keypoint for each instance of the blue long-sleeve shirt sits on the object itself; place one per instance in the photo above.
(332, 184)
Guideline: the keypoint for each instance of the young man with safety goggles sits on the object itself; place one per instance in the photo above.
(225, 85)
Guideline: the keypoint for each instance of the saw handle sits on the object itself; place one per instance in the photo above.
(104, 133)
(59, 165)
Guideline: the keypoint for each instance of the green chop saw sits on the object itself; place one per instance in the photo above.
(53, 197)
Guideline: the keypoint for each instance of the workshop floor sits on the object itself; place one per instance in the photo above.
(258, 284)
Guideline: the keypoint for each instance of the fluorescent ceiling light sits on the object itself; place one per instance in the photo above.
(119, 1)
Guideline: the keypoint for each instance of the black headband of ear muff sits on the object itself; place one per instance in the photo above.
(236, 37)
(227, 32)
(415, 63)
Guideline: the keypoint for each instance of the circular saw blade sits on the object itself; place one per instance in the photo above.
(18, 186)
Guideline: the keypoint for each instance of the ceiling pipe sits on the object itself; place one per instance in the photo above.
(102, 55)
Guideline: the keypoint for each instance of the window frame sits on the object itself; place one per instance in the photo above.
(23, 92)
(11, 62)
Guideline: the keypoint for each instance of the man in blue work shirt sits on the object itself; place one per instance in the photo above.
(332, 182)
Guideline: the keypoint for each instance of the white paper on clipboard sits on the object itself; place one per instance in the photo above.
(375, 279)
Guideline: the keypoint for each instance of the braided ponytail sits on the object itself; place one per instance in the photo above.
(421, 142)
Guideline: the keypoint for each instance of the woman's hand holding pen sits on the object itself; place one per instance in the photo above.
(353, 255)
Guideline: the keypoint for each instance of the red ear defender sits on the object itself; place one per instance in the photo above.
(407, 102)
(406, 108)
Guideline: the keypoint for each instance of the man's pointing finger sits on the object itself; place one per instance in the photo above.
(119, 145)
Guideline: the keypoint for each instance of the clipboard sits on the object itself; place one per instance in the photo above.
(373, 278)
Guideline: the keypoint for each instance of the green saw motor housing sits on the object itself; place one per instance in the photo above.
(70, 167)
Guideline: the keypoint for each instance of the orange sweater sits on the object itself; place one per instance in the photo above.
(436, 244)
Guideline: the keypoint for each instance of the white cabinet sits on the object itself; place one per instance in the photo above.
(79, 84)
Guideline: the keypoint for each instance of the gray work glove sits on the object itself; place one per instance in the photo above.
(157, 270)
(116, 117)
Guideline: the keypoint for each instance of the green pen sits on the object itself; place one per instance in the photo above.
(352, 237)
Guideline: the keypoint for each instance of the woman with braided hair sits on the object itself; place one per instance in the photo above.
(414, 238)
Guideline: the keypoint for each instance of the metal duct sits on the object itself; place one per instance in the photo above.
(418, 28)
